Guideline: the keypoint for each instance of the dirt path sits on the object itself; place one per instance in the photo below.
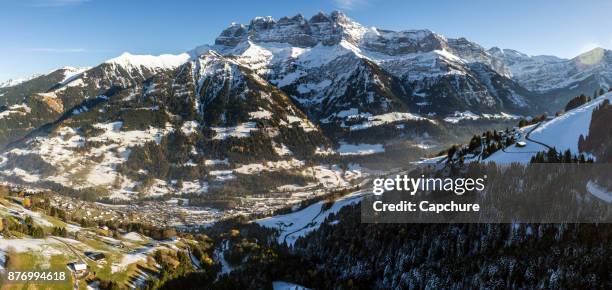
(76, 253)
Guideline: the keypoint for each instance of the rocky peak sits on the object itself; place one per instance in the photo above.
(511, 56)
(232, 35)
(16, 81)
(328, 29)
(164, 61)
(331, 29)
(297, 19)
(319, 18)
(403, 42)
(474, 53)
(505, 52)
(262, 23)
(339, 17)
(466, 48)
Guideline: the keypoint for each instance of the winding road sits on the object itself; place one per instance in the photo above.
(529, 139)
(535, 141)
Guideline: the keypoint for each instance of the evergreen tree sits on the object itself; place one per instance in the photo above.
(567, 156)
(552, 156)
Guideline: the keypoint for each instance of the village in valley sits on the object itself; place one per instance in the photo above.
(94, 243)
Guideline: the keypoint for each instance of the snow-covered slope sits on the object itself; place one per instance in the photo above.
(282, 285)
(67, 71)
(14, 82)
(164, 61)
(299, 223)
(562, 133)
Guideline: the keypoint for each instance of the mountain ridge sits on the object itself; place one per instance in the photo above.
(274, 98)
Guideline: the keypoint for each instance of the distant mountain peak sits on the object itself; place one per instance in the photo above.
(166, 61)
(496, 51)
(592, 57)
(17, 81)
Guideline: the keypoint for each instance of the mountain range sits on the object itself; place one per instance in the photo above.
(277, 97)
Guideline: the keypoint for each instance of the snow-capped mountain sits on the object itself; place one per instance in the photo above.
(118, 128)
(275, 97)
(55, 95)
(545, 73)
(320, 60)
(555, 78)
(337, 71)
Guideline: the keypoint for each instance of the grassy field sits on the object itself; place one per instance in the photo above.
(34, 262)
(69, 250)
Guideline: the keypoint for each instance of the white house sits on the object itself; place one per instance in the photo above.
(78, 267)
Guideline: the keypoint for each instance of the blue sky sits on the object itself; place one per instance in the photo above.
(40, 35)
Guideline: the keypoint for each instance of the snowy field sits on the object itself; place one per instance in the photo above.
(561, 133)
(360, 149)
(282, 285)
(298, 224)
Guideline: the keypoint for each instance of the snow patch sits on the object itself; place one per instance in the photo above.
(599, 191)
(388, 118)
(281, 150)
(457, 116)
(190, 127)
(360, 149)
(256, 168)
(282, 285)
(214, 162)
(133, 236)
(21, 109)
(261, 114)
(241, 131)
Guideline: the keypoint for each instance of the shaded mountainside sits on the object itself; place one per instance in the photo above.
(347, 254)
(459, 256)
(598, 140)
(58, 95)
(176, 124)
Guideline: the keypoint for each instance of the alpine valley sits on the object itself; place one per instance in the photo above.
(258, 149)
